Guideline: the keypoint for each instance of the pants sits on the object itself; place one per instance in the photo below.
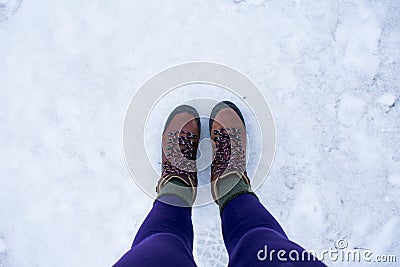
(250, 234)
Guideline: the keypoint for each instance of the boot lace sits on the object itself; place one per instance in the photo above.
(230, 154)
(181, 154)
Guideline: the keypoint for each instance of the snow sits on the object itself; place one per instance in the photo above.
(351, 110)
(387, 99)
(2, 246)
(382, 238)
(395, 179)
(68, 70)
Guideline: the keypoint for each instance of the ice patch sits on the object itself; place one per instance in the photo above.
(387, 99)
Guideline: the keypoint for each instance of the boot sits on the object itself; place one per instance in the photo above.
(180, 141)
(228, 170)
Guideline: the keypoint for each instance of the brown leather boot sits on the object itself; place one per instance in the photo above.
(180, 141)
(228, 131)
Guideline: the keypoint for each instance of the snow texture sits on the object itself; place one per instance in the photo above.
(68, 70)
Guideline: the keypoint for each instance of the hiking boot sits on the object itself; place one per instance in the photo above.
(180, 141)
(228, 131)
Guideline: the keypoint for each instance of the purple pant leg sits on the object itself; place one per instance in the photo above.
(247, 227)
(164, 239)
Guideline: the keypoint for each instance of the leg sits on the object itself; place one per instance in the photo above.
(253, 237)
(247, 227)
(165, 237)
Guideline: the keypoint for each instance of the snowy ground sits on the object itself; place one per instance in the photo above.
(68, 69)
